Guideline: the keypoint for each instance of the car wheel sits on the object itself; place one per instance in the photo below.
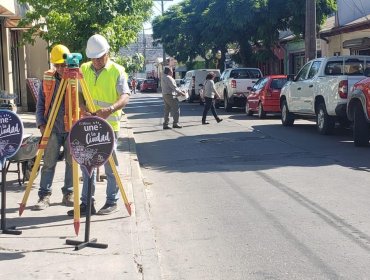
(261, 112)
(360, 128)
(228, 107)
(287, 118)
(325, 123)
(248, 111)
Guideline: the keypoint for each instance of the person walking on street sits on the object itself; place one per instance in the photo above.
(133, 85)
(210, 93)
(170, 92)
(59, 134)
(108, 87)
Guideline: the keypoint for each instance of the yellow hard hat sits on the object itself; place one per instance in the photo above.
(57, 52)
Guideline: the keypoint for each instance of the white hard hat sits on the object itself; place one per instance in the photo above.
(97, 46)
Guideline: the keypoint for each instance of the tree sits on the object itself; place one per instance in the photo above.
(180, 30)
(132, 64)
(72, 22)
(195, 26)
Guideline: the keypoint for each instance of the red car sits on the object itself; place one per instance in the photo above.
(148, 85)
(358, 111)
(264, 96)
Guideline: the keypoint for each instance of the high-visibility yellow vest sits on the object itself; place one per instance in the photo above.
(103, 89)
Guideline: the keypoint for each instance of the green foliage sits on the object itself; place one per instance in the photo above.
(72, 22)
(193, 27)
(132, 64)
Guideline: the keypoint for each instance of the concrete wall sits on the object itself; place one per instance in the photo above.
(335, 44)
(37, 59)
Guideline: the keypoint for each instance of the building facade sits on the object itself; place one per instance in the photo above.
(17, 62)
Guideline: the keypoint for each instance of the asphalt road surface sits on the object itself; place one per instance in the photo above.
(251, 199)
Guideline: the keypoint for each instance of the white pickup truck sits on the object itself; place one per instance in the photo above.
(233, 84)
(320, 90)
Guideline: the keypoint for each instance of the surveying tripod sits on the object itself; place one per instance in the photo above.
(71, 76)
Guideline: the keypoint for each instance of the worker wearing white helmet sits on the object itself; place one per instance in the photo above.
(59, 133)
(107, 84)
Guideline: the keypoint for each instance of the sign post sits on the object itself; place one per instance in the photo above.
(11, 134)
(91, 143)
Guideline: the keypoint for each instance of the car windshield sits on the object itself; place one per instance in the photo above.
(256, 85)
(278, 83)
(245, 74)
(149, 81)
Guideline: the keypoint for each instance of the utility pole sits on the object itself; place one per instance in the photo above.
(164, 53)
(310, 30)
(144, 46)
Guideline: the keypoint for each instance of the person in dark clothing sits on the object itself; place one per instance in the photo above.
(210, 93)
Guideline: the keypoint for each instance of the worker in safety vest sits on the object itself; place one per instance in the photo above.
(59, 134)
(109, 90)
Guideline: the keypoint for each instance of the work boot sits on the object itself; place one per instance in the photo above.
(83, 210)
(42, 204)
(166, 127)
(176, 125)
(108, 209)
(67, 199)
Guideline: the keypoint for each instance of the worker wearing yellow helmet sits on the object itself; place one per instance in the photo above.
(59, 134)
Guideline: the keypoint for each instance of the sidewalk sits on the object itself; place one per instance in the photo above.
(40, 251)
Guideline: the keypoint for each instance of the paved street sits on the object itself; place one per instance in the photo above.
(242, 199)
(251, 199)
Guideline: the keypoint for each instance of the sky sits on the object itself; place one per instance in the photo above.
(157, 9)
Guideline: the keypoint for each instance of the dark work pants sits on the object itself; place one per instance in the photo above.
(209, 104)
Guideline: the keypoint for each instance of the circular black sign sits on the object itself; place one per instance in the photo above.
(11, 134)
(91, 142)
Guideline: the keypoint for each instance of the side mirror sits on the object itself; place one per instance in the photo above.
(249, 88)
(182, 82)
(200, 85)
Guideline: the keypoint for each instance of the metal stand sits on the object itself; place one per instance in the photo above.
(5, 230)
(87, 242)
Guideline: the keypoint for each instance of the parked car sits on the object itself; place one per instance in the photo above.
(320, 91)
(129, 82)
(178, 82)
(264, 96)
(358, 111)
(194, 79)
(148, 85)
(139, 82)
(233, 85)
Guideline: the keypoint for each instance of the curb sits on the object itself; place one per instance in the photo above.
(144, 247)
